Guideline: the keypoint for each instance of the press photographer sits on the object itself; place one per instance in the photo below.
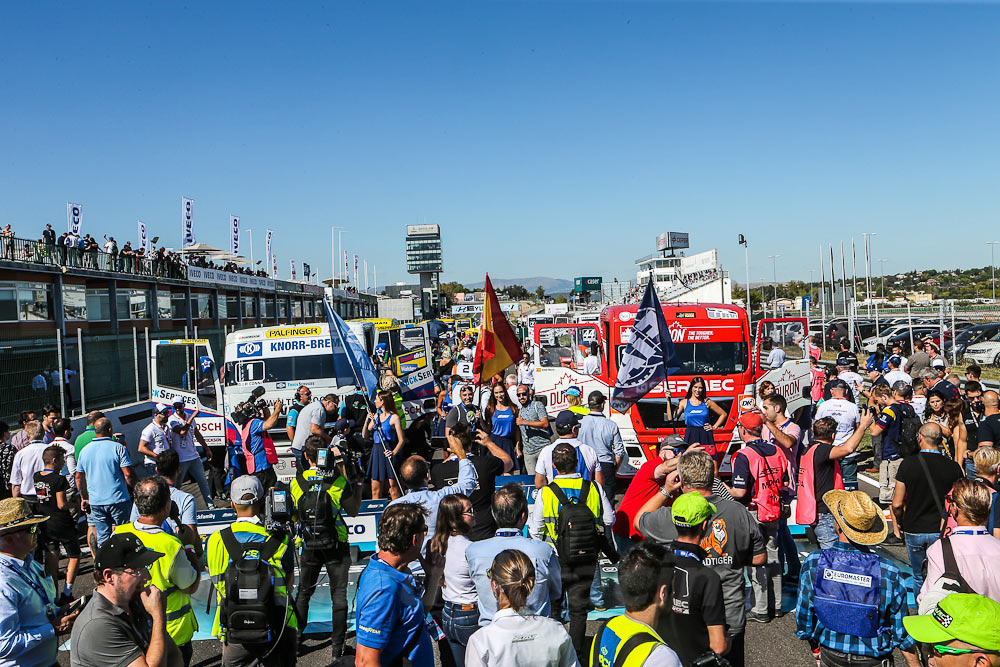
(319, 493)
(255, 420)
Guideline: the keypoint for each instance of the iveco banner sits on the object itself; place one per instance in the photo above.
(187, 221)
(267, 247)
(74, 216)
(234, 234)
(142, 236)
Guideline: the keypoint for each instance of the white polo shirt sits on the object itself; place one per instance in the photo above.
(515, 640)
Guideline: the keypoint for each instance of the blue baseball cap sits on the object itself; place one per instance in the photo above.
(573, 390)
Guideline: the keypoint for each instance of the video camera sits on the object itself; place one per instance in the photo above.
(328, 461)
(250, 408)
(278, 508)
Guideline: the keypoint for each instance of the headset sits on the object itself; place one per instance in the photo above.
(298, 392)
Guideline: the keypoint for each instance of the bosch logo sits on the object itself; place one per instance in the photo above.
(249, 350)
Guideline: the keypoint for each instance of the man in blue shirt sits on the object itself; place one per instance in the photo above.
(416, 475)
(104, 476)
(510, 509)
(390, 617)
(837, 585)
(604, 436)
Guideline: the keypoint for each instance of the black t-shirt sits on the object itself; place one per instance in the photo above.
(823, 473)
(47, 484)
(971, 427)
(354, 407)
(488, 468)
(697, 603)
(922, 514)
(989, 431)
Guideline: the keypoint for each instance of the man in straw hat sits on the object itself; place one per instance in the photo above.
(963, 630)
(851, 600)
(29, 618)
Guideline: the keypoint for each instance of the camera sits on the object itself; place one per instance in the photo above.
(250, 408)
(710, 659)
(277, 508)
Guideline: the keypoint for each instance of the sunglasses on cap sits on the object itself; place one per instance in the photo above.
(942, 650)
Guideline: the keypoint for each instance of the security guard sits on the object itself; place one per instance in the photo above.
(318, 495)
(631, 640)
(275, 647)
(176, 573)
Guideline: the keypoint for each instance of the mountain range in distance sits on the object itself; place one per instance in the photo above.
(550, 285)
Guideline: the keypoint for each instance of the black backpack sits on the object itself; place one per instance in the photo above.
(577, 541)
(316, 517)
(249, 612)
(909, 424)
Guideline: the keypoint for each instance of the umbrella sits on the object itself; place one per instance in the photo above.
(198, 249)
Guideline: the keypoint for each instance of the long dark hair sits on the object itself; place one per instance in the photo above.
(695, 380)
(491, 405)
(450, 521)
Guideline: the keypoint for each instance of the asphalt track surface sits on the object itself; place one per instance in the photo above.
(767, 645)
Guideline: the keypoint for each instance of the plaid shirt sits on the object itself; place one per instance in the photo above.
(892, 603)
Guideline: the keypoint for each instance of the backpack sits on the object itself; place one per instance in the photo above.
(249, 612)
(951, 581)
(316, 518)
(847, 590)
(909, 424)
(577, 542)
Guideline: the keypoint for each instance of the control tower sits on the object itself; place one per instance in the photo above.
(423, 258)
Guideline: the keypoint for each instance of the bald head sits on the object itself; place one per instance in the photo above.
(102, 427)
(991, 401)
(930, 436)
(415, 472)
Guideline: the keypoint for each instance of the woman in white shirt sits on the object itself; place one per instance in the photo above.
(460, 617)
(515, 639)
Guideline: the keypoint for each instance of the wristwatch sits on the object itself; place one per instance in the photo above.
(664, 492)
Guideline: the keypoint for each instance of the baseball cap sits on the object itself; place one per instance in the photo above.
(125, 550)
(178, 403)
(163, 407)
(895, 361)
(243, 485)
(675, 441)
(691, 509)
(573, 390)
(969, 618)
(937, 362)
(567, 419)
(596, 397)
(342, 424)
(752, 421)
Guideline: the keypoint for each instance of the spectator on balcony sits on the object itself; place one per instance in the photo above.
(111, 248)
(61, 248)
(49, 235)
(8, 242)
(140, 261)
(72, 254)
(128, 257)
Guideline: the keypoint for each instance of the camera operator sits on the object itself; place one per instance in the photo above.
(257, 629)
(312, 421)
(318, 496)
(258, 448)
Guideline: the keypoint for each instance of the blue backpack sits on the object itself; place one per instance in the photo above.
(847, 592)
(581, 466)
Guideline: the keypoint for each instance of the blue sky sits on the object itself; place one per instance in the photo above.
(549, 138)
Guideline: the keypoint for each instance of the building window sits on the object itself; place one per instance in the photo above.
(249, 306)
(178, 306)
(203, 306)
(98, 304)
(232, 305)
(74, 302)
(223, 307)
(282, 309)
(296, 309)
(34, 302)
(137, 304)
(268, 302)
(8, 305)
(163, 304)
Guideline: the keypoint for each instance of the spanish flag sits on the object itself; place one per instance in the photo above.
(497, 347)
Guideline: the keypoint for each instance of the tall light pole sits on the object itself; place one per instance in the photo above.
(993, 268)
(774, 274)
(881, 270)
(868, 272)
(746, 260)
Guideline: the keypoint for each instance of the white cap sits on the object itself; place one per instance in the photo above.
(163, 407)
(938, 362)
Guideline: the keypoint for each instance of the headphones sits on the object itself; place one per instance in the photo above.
(298, 394)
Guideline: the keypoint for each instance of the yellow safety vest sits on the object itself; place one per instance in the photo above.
(616, 633)
(335, 492)
(181, 621)
(551, 504)
(219, 560)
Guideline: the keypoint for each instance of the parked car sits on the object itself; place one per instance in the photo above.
(984, 353)
(904, 338)
(977, 333)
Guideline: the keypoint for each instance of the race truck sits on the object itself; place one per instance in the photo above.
(712, 341)
(280, 359)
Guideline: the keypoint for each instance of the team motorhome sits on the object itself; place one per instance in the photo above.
(712, 341)
(280, 359)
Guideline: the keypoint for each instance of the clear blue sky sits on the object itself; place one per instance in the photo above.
(546, 138)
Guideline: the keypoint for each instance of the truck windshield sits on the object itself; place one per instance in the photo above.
(708, 358)
(280, 369)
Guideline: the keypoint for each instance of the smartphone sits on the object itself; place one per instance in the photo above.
(77, 604)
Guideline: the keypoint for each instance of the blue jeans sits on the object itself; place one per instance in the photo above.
(300, 459)
(597, 588)
(458, 625)
(916, 548)
(849, 471)
(970, 468)
(196, 470)
(106, 517)
(788, 553)
(826, 531)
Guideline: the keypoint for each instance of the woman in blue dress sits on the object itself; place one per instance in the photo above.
(698, 408)
(500, 419)
(387, 434)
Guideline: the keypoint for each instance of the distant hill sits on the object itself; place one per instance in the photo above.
(550, 285)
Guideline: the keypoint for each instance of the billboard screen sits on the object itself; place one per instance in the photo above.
(661, 242)
(587, 284)
(677, 240)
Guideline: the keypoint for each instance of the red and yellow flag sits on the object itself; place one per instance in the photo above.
(497, 347)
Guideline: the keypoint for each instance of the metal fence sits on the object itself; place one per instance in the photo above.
(34, 252)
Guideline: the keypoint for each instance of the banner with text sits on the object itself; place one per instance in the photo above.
(477, 308)
(267, 247)
(142, 237)
(234, 234)
(214, 276)
(187, 222)
(74, 218)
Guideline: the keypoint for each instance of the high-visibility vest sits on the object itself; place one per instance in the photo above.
(181, 621)
(254, 461)
(610, 640)
(309, 481)
(550, 504)
(219, 560)
(767, 472)
(805, 500)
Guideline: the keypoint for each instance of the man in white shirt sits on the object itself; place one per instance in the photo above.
(847, 416)
(511, 382)
(853, 380)
(183, 431)
(27, 462)
(592, 363)
(155, 439)
(776, 356)
(567, 427)
(62, 428)
(526, 371)
(896, 373)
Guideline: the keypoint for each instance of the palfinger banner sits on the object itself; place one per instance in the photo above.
(142, 236)
(234, 234)
(74, 218)
(187, 221)
(293, 268)
(267, 247)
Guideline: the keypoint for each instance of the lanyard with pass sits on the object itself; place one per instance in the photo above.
(35, 586)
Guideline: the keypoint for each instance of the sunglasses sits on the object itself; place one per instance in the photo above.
(30, 529)
(468, 513)
(523, 393)
(941, 649)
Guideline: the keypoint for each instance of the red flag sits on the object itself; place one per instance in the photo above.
(497, 347)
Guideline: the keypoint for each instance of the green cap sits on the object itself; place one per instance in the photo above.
(691, 509)
(972, 619)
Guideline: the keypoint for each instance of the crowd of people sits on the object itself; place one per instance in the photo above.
(469, 572)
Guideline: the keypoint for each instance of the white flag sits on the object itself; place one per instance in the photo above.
(187, 221)
(234, 234)
(267, 246)
(74, 217)
(142, 236)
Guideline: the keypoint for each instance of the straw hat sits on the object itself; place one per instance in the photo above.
(858, 516)
(15, 514)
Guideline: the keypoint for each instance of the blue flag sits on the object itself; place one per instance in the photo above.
(649, 356)
(351, 364)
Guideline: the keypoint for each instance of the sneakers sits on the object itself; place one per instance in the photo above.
(757, 617)
(892, 540)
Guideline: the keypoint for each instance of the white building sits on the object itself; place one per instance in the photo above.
(694, 278)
